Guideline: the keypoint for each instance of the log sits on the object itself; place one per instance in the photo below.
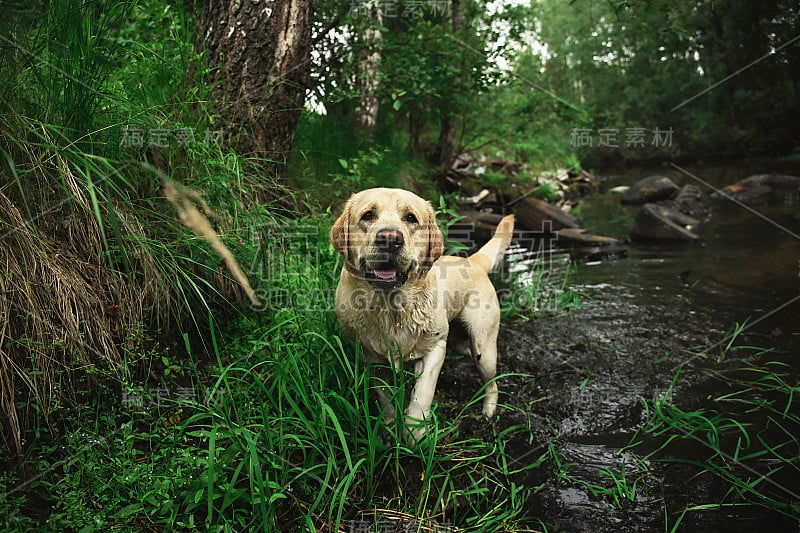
(659, 223)
(537, 215)
(578, 237)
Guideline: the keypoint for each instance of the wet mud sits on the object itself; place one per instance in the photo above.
(584, 379)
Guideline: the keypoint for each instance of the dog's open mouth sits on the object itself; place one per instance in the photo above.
(385, 276)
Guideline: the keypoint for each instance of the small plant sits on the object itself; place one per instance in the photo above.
(531, 293)
(731, 335)
(492, 178)
(355, 174)
(546, 192)
(623, 490)
(446, 218)
(620, 492)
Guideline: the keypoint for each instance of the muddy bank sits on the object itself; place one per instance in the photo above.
(585, 374)
(589, 375)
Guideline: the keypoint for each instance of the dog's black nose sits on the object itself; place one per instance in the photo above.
(389, 240)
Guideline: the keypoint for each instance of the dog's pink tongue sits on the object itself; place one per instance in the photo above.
(386, 274)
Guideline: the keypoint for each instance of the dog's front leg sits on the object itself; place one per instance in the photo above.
(427, 370)
(382, 379)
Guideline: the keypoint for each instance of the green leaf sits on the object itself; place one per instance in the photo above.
(130, 509)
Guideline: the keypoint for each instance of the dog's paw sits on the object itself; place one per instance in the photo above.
(414, 436)
(490, 400)
(415, 426)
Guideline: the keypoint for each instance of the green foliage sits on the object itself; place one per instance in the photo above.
(522, 119)
(114, 265)
(356, 173)
(493, 178)
(669, 64)
(446, 218)
(536, 291)
(61, 53)
(546, 192)
(429, 70)
(279, 433)
(329, 163)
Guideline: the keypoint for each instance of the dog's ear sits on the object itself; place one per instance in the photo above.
(435, 242)
(340, 232)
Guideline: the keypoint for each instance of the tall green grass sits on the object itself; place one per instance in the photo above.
(303, 410)
(98, 265)
(204, 417)
(280, 432)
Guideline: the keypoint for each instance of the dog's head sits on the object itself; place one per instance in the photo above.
(387, 237)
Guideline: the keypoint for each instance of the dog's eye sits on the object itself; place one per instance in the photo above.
(411, 218)
(368, 216)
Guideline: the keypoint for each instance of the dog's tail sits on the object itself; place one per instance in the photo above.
(491, 253)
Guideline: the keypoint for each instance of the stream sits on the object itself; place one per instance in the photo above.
(653, 324)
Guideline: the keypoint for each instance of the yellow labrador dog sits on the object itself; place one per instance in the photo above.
(399, 297)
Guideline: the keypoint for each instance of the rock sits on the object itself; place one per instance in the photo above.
(538, 215)
(753, 193)
(691, 201)
(758, 188)
(650, 189)
(660, 223)
(679, 218)
(771, 180)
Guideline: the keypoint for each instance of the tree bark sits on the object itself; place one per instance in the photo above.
(369, 72)
(445, 152)
(416, 125)
(260, 57)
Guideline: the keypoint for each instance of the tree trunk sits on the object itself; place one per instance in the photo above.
(260, 56)
(416, 125)
(445, 152)
(369, 72)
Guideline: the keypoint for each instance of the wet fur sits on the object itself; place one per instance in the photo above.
(408, 317)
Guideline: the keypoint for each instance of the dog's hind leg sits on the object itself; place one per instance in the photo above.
(483, 325)
(485, 356)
